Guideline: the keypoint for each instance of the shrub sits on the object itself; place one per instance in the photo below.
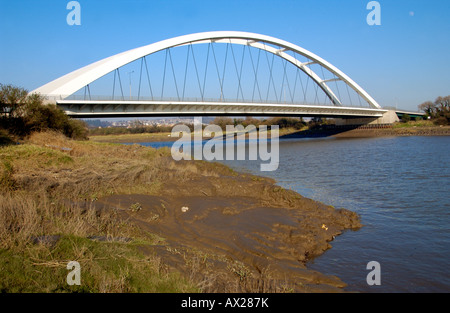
(6, 175)
(406, 118)
(222, 122)
(23, 114)
(285, 122)
(5, 138)
(442, 120)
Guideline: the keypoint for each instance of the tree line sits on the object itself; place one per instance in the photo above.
(438, 111)
(137, 127)
(22, 113)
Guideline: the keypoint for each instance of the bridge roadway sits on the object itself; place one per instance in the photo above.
(148, 108)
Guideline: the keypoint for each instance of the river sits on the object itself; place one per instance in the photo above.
(399, 186)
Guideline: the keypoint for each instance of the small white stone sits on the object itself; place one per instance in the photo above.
(184, 209)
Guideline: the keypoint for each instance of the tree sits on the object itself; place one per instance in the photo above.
(23, 113)
(11, 100)
(428, 107)
(222, 122)
(442, 104)
(249, 120)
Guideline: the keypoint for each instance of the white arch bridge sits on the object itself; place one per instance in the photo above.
(250, 74)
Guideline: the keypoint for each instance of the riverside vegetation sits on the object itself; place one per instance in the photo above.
(117, 210)
(137, 221)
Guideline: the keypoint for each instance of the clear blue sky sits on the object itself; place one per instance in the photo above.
(405, 61)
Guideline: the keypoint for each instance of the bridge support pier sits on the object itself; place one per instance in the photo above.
(388, 117)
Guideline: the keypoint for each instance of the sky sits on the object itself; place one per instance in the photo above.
(402, 62)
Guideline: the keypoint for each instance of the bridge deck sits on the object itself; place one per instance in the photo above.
(108, 108)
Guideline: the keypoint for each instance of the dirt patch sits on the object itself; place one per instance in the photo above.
(238, 234)
(367, 132)
(385, 132)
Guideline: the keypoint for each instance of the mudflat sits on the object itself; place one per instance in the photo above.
(237, 232)
(221, 230)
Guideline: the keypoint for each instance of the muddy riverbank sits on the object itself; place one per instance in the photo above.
(222, 230)
(367, 132)
(238, 233)
(327, 131)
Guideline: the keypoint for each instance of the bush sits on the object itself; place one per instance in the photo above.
(406, 118)
(222, 121)
(5, 138)
(6, 175)
(285, 122)
(22, 115)
(442, 120)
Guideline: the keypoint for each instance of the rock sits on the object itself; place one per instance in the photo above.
(46, 240)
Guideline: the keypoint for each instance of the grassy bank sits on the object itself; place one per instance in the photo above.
(116, 210)
(154, 137)
(124, 138)
(48, 186)
(420, 123)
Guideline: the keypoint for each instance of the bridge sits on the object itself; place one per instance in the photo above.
(212, 73)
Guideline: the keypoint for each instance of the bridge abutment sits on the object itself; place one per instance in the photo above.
(389, 117)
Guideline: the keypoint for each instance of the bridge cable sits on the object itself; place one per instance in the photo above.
(316, 98)
(164, 75)
(89, 92)
(297, 75)
(327, 97)
(304, 88)
(148, 77)
(237, 73)
(240, 72)
(316, 88)
(359, 99)
(140, 78)
(287, 82)
(185, 71)
(282, 85)
(348, 92)
(196, 71)
(206, 70)
(120, 83)
(289, 86)
(224, 69)
(315, 94)
(114, 84)
(271, 74)
(255, 83)
(295, 82)
(307, 83)
(337, 87)
(173, 73)
(218, 73)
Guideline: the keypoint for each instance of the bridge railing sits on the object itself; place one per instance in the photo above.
(191, 99)
(401, 110)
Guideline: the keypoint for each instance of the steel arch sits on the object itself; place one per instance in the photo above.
(68, 84)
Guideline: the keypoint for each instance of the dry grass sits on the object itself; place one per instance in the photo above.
(23, 218)
(48, 186)
(62, 168)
